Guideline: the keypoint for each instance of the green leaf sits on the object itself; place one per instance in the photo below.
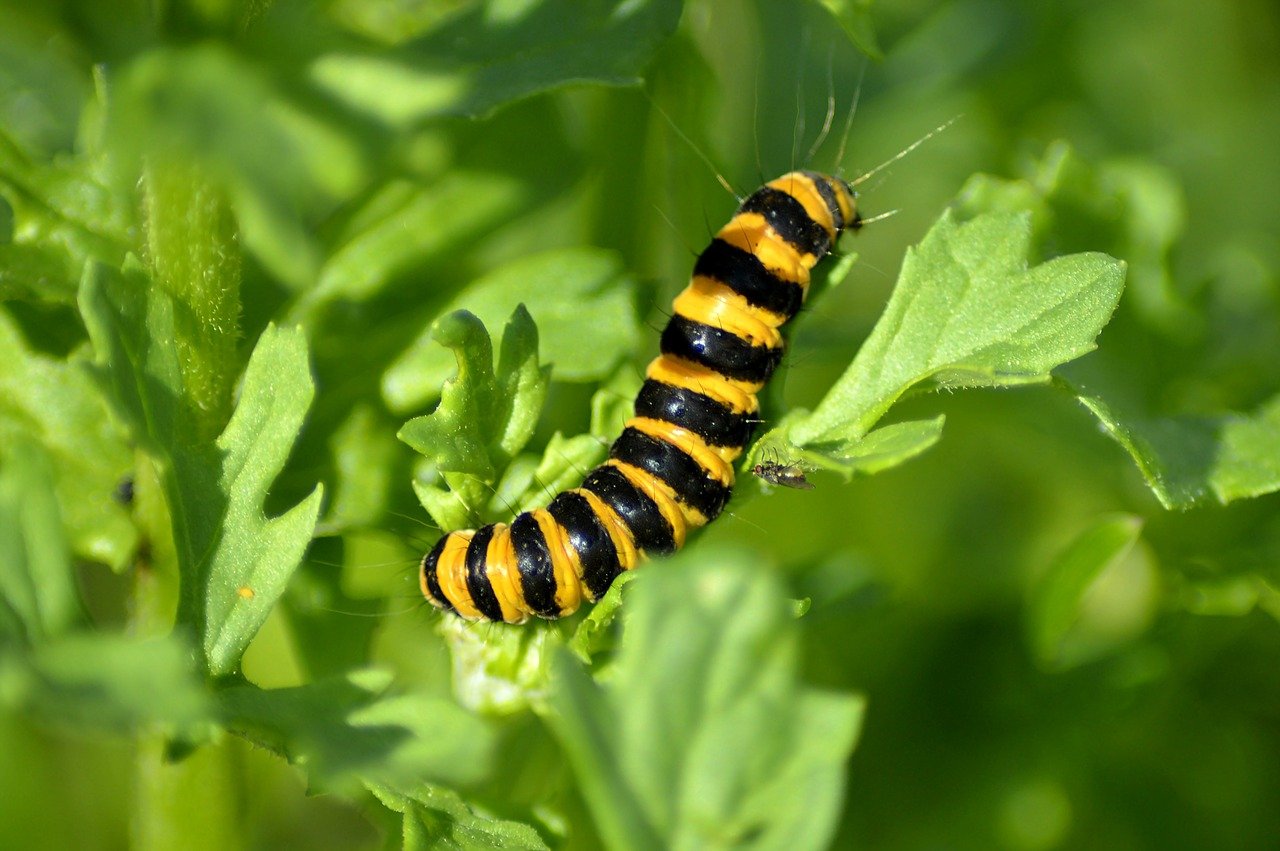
(405, 226)
(278, 157)
(501, 669)
(63, 211)
(234, 561)
(580, 298)
(881, 449)
(1230, 596)
(253, 558)
(492, 54)
(43, 83)
(486, 413)
(661, 759)
(351, 730)
(37, 589)
(109, 683)
(855, 19)
(35, 273)
(1185, 460)
(967, 312)
(437, 819)
(593, 631)
(1058, 596)
(614, 403)
(490, 411)
(1132, 209)
(891, 445)
(1099, 594)
(56, 403)
(564, 465)
(364, 455)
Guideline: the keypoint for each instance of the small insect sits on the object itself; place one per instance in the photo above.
(784, 475)
(671, 469)
(123, 494)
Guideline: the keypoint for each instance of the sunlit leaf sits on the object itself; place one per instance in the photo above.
(487, 412)
(234, 560)
(1186, 460)
(660, 759)
(968, 312)
(492, 54)
(56, 402)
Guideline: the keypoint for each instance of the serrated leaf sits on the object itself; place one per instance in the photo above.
(56, 403)
(352, 730)
(589, 636)
(255, 555)
(438, 819)
(661, 760)
(581, 300)
(37, 590)
(486, 415)
(1185, 460)
(968, 312)
(451, 436)
(1133, 209)
(1058, 596)
(234, 562)
(490, 55)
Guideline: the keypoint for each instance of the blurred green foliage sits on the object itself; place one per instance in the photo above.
(1060, 615)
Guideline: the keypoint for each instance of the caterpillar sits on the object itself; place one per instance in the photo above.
(670, 471)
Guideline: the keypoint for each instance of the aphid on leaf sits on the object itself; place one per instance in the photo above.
(784, 475)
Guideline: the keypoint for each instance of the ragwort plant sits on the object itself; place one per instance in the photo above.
(246, 244)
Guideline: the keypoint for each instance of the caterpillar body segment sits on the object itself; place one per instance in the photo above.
(671, 469)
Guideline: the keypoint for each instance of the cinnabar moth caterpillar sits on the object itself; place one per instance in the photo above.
(671, 468)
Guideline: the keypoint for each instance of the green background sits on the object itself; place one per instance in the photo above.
(1054, 651)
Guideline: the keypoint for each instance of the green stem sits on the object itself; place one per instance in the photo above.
(193, 255)
(190, 803)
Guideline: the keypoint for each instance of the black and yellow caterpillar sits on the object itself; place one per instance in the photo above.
(671, 468)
